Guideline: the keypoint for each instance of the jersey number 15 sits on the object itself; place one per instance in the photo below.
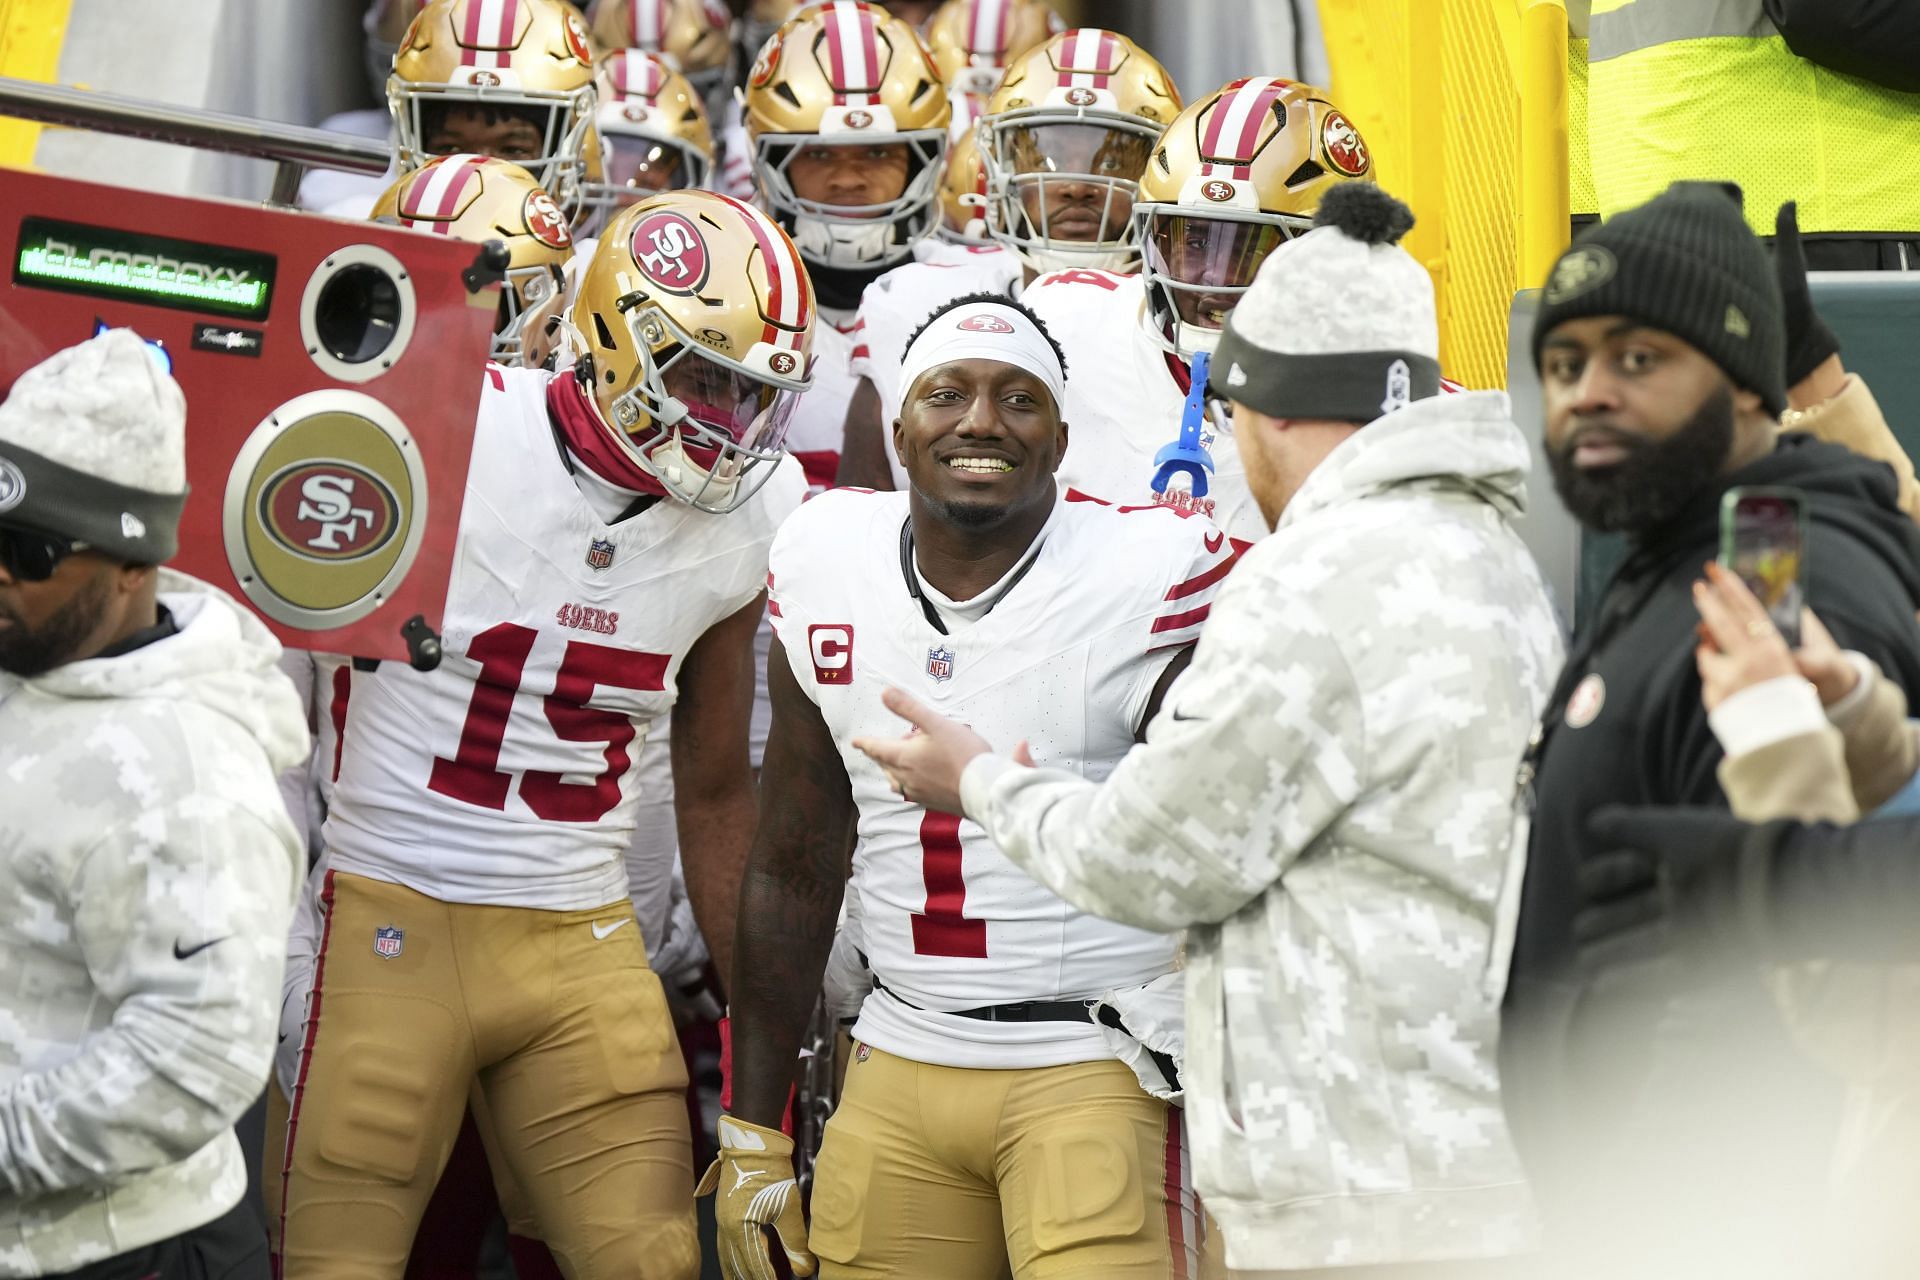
(473, 776)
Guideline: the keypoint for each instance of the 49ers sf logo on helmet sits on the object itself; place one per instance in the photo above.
(329, 510)
(670, 252)
(1345, 148)
(546, 222)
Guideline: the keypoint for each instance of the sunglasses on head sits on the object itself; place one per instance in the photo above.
(31, 556)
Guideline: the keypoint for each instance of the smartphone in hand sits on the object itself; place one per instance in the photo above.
(1763, 539)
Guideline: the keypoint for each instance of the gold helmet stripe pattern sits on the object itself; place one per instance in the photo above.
(1089, 57)
(988, 32)
(439, 191)
(789, 289)
(1233, 134)
(853, 52)
(647, 25)
(490, 35)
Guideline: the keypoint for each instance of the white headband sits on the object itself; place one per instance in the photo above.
(986, 331)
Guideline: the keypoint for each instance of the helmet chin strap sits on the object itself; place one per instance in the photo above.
(842, 244)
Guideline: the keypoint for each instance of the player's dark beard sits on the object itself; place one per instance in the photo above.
(26, 652)
(1658, 476)
(972, 515)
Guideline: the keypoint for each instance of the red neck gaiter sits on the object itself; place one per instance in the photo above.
(587, 439)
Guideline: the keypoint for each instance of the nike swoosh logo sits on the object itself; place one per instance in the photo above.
(608, 931)
(1213, 542)
(1177, 716)
(182, 953)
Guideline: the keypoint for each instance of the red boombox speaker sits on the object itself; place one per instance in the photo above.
(332, 371)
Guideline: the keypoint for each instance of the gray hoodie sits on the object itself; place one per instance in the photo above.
(1325, 803)
(147, 873)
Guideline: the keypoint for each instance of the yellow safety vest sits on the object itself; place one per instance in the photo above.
(1708, 89)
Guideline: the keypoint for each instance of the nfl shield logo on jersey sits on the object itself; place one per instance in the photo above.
(600, 554)
(940, 663)
(387, 942)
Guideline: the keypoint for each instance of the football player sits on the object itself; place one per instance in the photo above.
(973, 41)
(986, 1121)
(653, 130)
(474, 921)
(691, 36)
(1238, 172)
(1073, 122)
(512, 79)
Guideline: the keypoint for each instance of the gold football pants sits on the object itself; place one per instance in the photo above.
(556, 1019)
(947, 1173)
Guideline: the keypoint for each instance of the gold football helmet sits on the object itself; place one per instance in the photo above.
(478, 198)
(653, 131)
(963, 195)
(1066, 137)
(475, 63)
(973, 40)
(695, 328)
(1237, 173)
(848, 74)
(693, 36)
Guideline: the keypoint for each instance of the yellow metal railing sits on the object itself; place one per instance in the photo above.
(31, 33)
(1464, 104)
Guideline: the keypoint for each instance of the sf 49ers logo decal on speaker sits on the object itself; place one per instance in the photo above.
(1345, 148)
(328, 510)
(325, 509)
(671, 252)
(544, 219)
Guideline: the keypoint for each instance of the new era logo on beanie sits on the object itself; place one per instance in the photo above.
(93, 447)
(1685, 263)
(1339, 324)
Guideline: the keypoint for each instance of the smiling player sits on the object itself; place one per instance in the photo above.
(978, 1068)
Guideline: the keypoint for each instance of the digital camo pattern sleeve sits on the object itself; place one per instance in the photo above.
(179, 915)
(1248, 762)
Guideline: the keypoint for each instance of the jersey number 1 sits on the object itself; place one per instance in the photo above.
(473, 776)
(944, 930)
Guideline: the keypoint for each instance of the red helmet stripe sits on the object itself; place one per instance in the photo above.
(789, 291)
(987, 30)
(1109, 59)
(1234, 129)
(434, 194)
(647, 24)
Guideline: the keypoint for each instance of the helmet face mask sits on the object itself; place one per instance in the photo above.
(479, 198)
(1196, 266)
(1062, 184)
(848, 235)
(709, 431)
(846, 74)
(1066, 139)
(534, 67)
(694, 324)
(653, 131)
(1239, 172)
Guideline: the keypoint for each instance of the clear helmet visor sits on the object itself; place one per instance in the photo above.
(1205, 264)
(710, 432)
(1066, 185)
(635, 167)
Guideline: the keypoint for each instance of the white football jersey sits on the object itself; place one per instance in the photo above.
(506, 776)
(1125, 402)
(1067, 661)
(899, 302)
(813, 437)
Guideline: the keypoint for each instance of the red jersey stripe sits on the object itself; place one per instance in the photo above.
(1180, 621)
(1205, 580)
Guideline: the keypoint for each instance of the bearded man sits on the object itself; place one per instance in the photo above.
(1651, 1104)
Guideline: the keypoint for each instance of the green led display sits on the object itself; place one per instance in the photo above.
(107, 262)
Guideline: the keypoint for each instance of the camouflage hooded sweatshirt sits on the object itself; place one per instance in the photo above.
(147, 874)
(1325, 803)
